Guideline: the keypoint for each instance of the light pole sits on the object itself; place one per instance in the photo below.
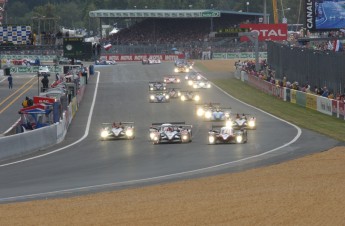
(247, 6)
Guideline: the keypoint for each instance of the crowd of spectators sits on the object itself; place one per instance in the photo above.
(268, 74)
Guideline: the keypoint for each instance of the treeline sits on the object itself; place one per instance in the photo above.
(75, 13)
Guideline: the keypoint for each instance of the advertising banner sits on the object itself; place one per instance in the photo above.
(45, 100)
(301, 99)
(140, 57)
(335, 108)
(311, 101)
(293, 98)
(324, 105)
(341, 110)
(266, 32)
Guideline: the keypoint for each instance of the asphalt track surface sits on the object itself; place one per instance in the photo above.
(84, 164)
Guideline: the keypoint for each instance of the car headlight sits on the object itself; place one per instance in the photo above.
(186, 77)
(178, 93)
(228, 123)
(198, 77)
(211, 139)
(176, 70)
(190, 82)
(200, 112)
(208, 114)
(104, 134)
(167, 97)
(251, 124)
(129, 133)
(164, 88)
(152, 136)
(187, 69)
(178, 80)
(208, 85)
(183, 98)
(239, 138)
(151, 88)
(152, 97)
(196, 98)
(195, 86)
(185, 137)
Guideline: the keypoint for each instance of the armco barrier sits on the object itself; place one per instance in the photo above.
(321, 104)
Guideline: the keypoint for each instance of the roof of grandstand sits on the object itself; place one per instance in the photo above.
(159, 13)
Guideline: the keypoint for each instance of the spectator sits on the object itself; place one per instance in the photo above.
(10, 81)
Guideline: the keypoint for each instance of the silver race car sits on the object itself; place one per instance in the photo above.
(172, 79)
(189, 95)
(220, 134)
(159, 97)
(245, 121)
(117, 130)
(213, 112)
(158, 85)
(200, 84)
(174, 92)
(173, 132)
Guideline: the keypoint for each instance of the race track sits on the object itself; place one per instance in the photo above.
(121, 91)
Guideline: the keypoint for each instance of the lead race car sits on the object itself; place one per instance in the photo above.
(159, 97)
(158, 85)
(226, 135)
(172, 132)
(193, 75)
(120, 130)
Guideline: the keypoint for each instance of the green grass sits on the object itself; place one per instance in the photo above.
(303, 117)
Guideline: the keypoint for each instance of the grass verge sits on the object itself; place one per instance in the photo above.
(293, 113)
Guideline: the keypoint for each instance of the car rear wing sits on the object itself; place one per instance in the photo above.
(172, 123)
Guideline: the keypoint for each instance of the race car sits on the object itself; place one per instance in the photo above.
(201, 109)
(215, 113)
(105, 62)
(153, 86)
(151, 61)
(179, 62)
(159, 97)
(173, 132)
(117, 130)
(201, 84)
(220, 134)
(172, 79)
(190, 96)
(174, 92)
(181, 68)
(193, 75)
(244, 121)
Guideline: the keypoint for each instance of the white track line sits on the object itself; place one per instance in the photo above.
(299, 133)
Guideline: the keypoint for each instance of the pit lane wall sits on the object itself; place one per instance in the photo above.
(35, 140)
(318, 103)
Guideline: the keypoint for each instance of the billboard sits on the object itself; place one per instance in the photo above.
(273, 32)
(325, 15)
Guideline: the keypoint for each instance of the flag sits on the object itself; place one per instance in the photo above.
(337, 46)
(107, 47)
(330, 45)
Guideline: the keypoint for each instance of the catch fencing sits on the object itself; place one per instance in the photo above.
(307, 66)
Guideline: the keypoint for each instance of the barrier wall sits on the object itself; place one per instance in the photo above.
(35, 140)
(307, 100)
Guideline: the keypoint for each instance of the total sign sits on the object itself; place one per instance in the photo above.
(274, 32)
